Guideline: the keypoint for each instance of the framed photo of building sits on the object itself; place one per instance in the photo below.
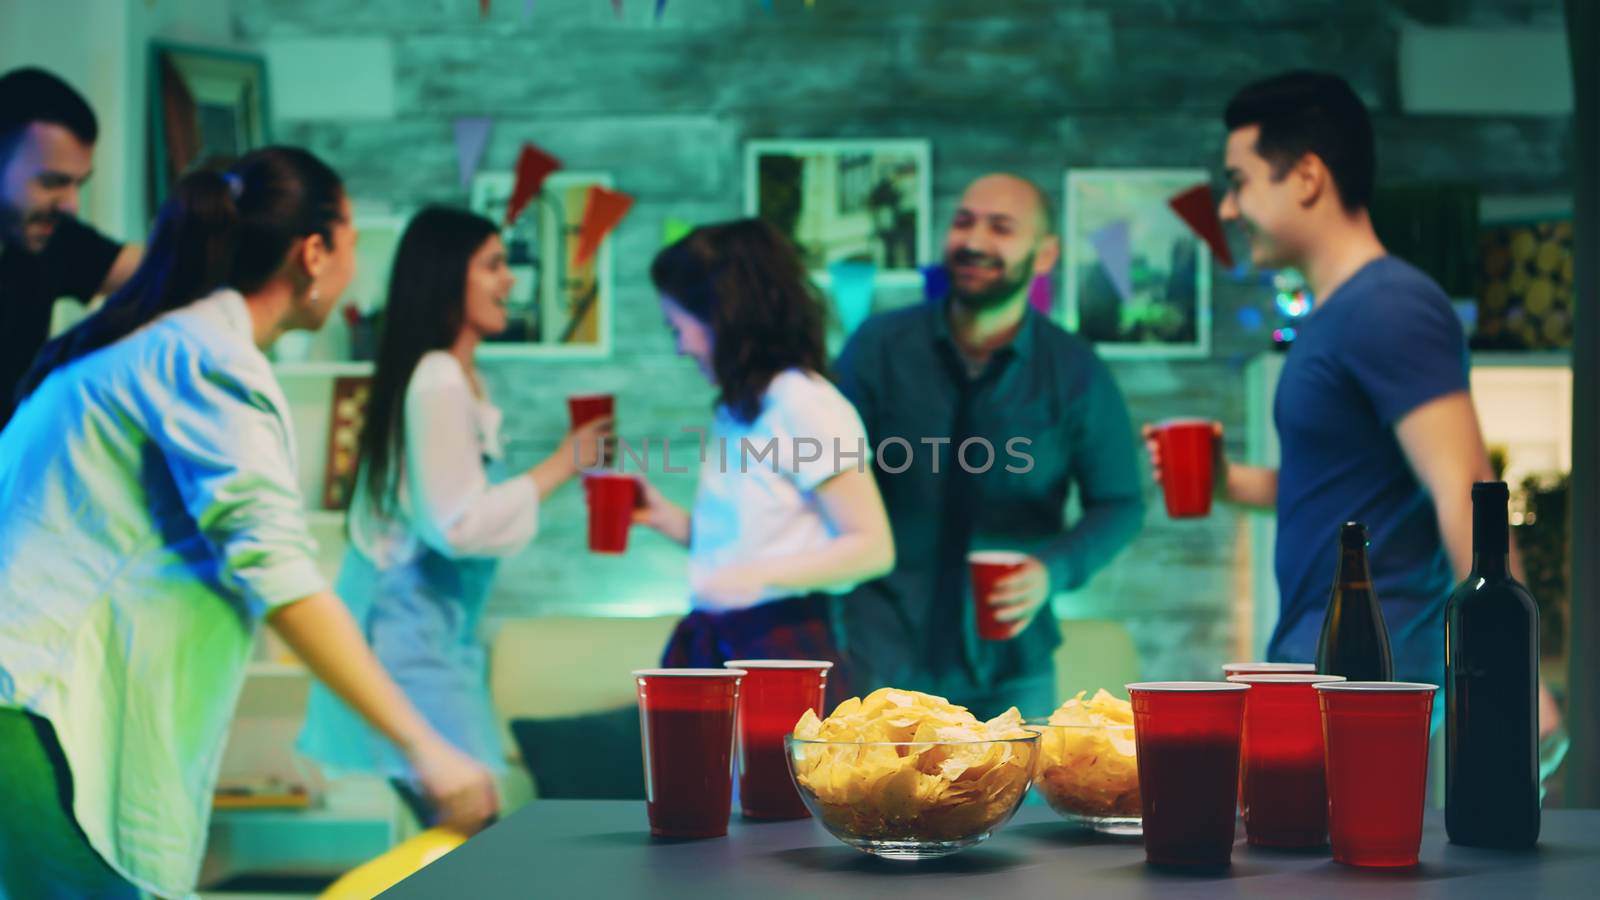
(846, 200)
(1137, 278)
(205, 103)
(557, 308)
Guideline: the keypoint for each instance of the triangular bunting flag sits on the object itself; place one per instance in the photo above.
(533, 167)
(483, 8)
(661, 7)
(1111, 242)
(674, 230)
(935, 281)
(527, 8)
(472, 136)
(616, 5)
(1198, 211)
(1039, 296)
(600, 215)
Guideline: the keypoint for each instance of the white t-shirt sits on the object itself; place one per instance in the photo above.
(758, 482)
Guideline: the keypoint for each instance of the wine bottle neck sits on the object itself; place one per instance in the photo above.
(1491, 565)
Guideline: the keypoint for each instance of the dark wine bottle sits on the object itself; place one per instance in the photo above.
(1491, 651)
(1355, 642)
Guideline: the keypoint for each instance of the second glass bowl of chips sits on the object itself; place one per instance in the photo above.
(913, 799)
(1089, 774)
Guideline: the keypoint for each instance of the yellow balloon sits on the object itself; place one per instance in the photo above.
(1549, 257)
(1523, 244)
(1540, 296)
(400, 862)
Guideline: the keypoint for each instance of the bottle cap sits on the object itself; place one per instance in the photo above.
(1353, 536)
(1490, 491)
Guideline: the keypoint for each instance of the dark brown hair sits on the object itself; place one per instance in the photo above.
(745, 281)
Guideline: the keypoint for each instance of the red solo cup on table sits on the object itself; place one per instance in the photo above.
(1283, 794)
(686, 717)
(989, 568)
(611, 498)
(587, 407)
(1187, 447)
(1376, 735)
(1268, 668)
(773, 696)
(1187, 736)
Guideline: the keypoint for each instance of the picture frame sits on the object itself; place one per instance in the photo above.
(556, 311)
(1123, 214)
(205, 103)
(863, 200)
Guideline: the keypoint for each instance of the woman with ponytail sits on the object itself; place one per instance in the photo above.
(434, 507)
(149, 519)
(773, 533)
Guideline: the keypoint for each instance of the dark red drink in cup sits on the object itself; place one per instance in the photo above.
(1283, 795)
(988, 569)
(611, 498)
(773, 696)
(1376, 734)
(686, 718)
(1187, 735)
(587, 407)
(1187, 449)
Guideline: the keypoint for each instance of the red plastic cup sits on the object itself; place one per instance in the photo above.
(586, 407)
(1283, 794)
(773, 697)
(611, 499)
(988, 568)
(686, 717)
(1187, 447)
(1268, 668)
(1377, 763)
(1187, 734)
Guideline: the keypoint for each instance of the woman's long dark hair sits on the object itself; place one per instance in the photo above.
(221, 228)
(425, 311)
(745, 280)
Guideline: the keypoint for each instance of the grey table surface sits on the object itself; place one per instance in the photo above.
(603, 849)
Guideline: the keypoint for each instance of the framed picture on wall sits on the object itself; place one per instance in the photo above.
(205, 103)
(557, 308)
(1137, 279)
(846, 200)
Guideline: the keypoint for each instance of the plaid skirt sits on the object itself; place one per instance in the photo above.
(793, 628)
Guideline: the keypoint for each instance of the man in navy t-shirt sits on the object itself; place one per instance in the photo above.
(1374, 417)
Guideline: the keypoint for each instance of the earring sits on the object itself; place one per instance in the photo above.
(314, 295)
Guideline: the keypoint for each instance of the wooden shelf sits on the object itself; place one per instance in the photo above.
(325, 518)
(276, 670)
(322, 369)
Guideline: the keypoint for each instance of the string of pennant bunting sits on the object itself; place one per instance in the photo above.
(616, 7)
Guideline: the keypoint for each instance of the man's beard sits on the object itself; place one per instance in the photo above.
(996, 294)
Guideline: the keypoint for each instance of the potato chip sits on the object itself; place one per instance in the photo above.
(1088, 762)
(920, 768)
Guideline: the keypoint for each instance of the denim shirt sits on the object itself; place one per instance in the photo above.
(1049, 411)
(149, 518)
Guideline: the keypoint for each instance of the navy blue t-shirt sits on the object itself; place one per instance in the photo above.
(1384, 343)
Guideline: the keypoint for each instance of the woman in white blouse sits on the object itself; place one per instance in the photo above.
(787, 512)
(433, 508)
(150, 519)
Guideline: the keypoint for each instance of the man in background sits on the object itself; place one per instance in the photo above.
(47, 137)
(979, 365)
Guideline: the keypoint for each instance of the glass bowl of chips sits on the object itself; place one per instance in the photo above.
(1088, 768)
(905, 775)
